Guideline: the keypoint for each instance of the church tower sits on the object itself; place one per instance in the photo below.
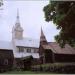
(43, 42)
(17, 30)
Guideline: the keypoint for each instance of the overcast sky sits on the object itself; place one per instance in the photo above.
(31, 19)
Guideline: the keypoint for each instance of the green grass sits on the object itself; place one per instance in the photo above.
(50, 64)
(26, 72)
(19, 72)
(54, 64)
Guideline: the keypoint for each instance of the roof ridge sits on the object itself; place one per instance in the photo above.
(30, 38)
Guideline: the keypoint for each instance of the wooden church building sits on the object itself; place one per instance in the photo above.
(51, 52)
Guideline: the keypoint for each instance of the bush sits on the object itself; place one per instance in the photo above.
(55, 68)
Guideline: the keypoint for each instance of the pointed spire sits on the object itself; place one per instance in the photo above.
(17, 18)
(43, 38)
(42, 34)
(17, 25)
(17, 13)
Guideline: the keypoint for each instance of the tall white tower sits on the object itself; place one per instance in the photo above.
(17, 30)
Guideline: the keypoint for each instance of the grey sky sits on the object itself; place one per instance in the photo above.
(31, 19)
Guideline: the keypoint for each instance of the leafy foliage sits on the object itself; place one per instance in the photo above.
(62, 13)
(1, 3)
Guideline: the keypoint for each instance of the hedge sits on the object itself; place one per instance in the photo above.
(55, 68)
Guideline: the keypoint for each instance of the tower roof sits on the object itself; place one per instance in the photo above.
(17, 14)
(42, 34)
(17, 25)
(17, 18)
(42, 37)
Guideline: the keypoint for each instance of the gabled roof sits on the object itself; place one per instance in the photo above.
(6, 45)
(57, 49)
(27, 42)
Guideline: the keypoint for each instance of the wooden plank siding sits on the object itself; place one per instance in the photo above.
(64, 57)
(6, 59)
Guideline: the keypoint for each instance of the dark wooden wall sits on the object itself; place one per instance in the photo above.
(64, 58)
(6, 59)
(41, 51)
(51, 57)
(48, 56)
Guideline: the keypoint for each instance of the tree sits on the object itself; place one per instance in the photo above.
(62, 13)
(1, 3)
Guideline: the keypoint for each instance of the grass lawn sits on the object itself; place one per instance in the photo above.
(25, 72)
(19, 72)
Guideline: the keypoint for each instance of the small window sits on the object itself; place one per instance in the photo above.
(21, 49)
(28, 50)
(35, 51)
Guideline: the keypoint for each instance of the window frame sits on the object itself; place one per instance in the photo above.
(20, 49)
(28, 50)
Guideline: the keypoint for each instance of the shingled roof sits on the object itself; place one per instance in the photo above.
(57, 49)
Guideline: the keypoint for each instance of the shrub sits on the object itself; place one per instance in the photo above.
(55, 67)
